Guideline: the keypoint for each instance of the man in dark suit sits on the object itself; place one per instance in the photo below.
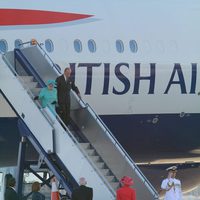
(83, 192)
(10, 193)
(7, 177)
(64, 84)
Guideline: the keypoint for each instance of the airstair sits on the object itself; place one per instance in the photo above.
(88, 149)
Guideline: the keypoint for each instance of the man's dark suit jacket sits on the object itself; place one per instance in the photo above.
(82, 193)
(63, 89)
(11, 194)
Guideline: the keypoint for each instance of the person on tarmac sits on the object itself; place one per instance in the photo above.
(171, 185)
(126, 192)
(82, 192)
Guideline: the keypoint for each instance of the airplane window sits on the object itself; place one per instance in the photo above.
(120, 46)
(3, 46)
(17, 43)
(133, 46)
(49, 45)
(77, 46)
(92, 46)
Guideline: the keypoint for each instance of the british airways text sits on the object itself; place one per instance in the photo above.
(176, 78)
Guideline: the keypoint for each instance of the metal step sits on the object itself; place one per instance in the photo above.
(85, 145)
(31, 85)
(115, 185)
(95, 158)
(110, 178)
(27, 79)
(100, 165)
(91, 152)
(35, 91)
(105, 172)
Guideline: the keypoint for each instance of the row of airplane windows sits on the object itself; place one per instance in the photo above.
(78, 47)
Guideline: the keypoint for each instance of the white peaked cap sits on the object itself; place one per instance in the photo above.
(172, 168)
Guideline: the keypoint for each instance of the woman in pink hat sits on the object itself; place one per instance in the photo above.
(126, 192)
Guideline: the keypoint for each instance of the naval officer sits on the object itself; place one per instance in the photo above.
(171, 185)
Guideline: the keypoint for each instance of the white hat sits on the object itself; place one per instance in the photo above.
(172, 168)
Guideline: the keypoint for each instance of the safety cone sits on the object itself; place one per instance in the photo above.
(54, 192)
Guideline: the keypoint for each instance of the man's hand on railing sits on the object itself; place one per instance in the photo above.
(36, 98)
(53, 103)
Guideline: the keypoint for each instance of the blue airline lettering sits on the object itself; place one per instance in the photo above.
(106, 78)
(177, 69)
(151, 78)
(122, 78)
(73, 68)
(126, 82)
(89, 67)
(193, 78)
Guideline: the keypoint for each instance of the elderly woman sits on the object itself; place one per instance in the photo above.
(48, 96)
(126, 192)
(36, 195)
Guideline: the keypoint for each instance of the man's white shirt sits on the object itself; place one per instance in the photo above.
(173, 193)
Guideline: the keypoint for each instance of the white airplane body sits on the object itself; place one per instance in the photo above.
(146, 95)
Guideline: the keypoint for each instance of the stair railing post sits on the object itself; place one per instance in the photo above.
(21, 165)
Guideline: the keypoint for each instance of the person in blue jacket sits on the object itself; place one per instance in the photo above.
(48, 96)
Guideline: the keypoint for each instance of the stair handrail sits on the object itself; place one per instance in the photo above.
(55, 66)
(123, 151)
(26, 64)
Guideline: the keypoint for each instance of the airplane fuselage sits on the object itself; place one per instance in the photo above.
(135, 62)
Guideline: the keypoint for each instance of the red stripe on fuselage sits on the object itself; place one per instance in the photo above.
(11, 17)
